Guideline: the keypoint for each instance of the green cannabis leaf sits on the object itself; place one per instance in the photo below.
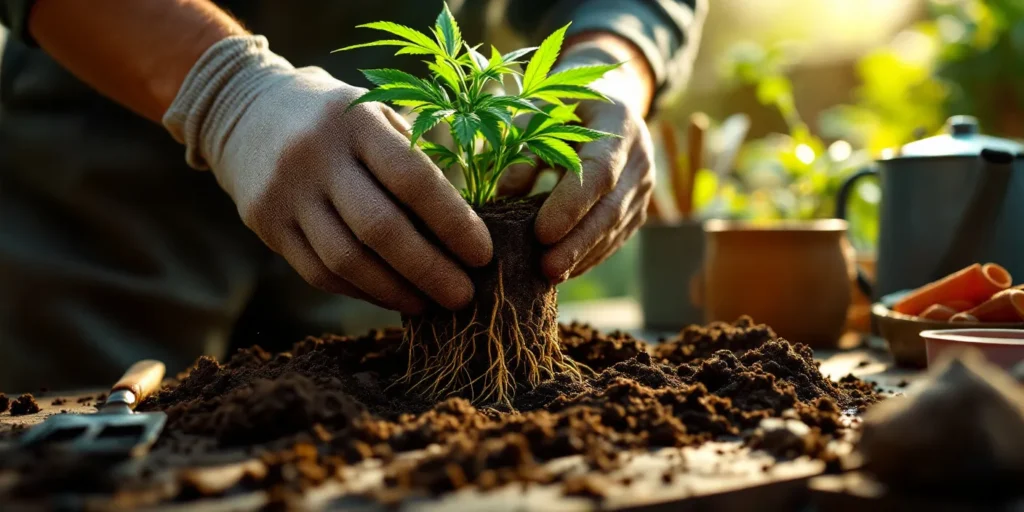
(482, 123)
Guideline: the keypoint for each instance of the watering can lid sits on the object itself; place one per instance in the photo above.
(962, 138)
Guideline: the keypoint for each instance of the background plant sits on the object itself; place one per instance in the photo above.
(964, 58)
(792, 175)
(464, 93)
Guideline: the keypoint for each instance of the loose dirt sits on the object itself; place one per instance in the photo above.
(335, 401)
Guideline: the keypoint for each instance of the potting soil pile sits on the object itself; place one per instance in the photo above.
(334, 401)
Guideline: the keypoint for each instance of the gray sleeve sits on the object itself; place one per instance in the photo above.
(666, 31)
(14, 16)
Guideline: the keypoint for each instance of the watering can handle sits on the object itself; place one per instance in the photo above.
(842, 200)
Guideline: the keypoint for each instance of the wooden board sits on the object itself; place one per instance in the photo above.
(734, 479)
(45, 401)
(722, 475)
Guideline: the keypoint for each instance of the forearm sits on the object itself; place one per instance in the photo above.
(664, 32)
(138, 52)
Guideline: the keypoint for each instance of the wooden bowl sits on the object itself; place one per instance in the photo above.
(903, 332)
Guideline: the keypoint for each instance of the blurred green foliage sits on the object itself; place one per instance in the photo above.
(793, 175)
(616, 277)
(966, 57)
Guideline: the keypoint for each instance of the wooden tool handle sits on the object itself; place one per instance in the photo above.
(695, 133)
(142, 379)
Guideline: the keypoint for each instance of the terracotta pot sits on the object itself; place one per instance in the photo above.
(793, 276)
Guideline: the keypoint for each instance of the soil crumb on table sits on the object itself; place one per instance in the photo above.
(333, 401)
(25, 404)
(5, 403)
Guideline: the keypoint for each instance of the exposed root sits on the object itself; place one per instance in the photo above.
(487, 358)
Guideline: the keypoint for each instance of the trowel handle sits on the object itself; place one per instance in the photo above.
(142, 379)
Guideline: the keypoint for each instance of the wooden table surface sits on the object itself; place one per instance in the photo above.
(721, 476)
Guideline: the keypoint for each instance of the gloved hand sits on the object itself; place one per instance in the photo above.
(585, 223)
(332, 191)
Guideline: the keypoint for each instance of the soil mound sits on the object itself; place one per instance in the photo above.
(334, 401)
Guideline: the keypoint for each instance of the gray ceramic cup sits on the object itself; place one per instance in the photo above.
(671, 257)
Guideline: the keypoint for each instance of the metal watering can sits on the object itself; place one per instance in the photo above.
(947, 201)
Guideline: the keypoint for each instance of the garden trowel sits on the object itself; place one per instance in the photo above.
(115, 429)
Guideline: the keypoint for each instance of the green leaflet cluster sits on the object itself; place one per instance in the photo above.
(487, 138)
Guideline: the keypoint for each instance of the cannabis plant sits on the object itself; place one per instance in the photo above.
(488, 138)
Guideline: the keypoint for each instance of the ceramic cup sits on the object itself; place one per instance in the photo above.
(670, 264)
(1002, 347)
(794, 276)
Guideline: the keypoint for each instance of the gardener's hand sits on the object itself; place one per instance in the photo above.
(333, 191)
(587, 222)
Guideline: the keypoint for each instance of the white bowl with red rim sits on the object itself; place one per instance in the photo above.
(1003, 347)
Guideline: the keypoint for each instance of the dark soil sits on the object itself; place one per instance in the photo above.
(334, 401)
(507, 340)
(25, 404)
(5, 403)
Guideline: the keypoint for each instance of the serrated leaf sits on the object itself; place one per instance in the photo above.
(515, 55)
(489, 74)
(464, 127)
(582, 75)
(490, 127)
(413, 104)
(410, 34)
(385, 42)
(563, 113)
(392, 77)
(554, 115)
(442, 155)
(543, 59)
(557, 93)
(415, 50)
(500, 113)
(427, 119)
(443, 69)
(538, 123)
(496, 59)
(512, 102)
(572, 133)
(448, 31)
(394, 94)
(557, 153)
(478, 61)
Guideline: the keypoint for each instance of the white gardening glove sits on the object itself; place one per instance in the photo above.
(334, 192)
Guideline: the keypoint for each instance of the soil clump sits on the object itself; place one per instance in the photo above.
(507, 340)
(25, 404)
